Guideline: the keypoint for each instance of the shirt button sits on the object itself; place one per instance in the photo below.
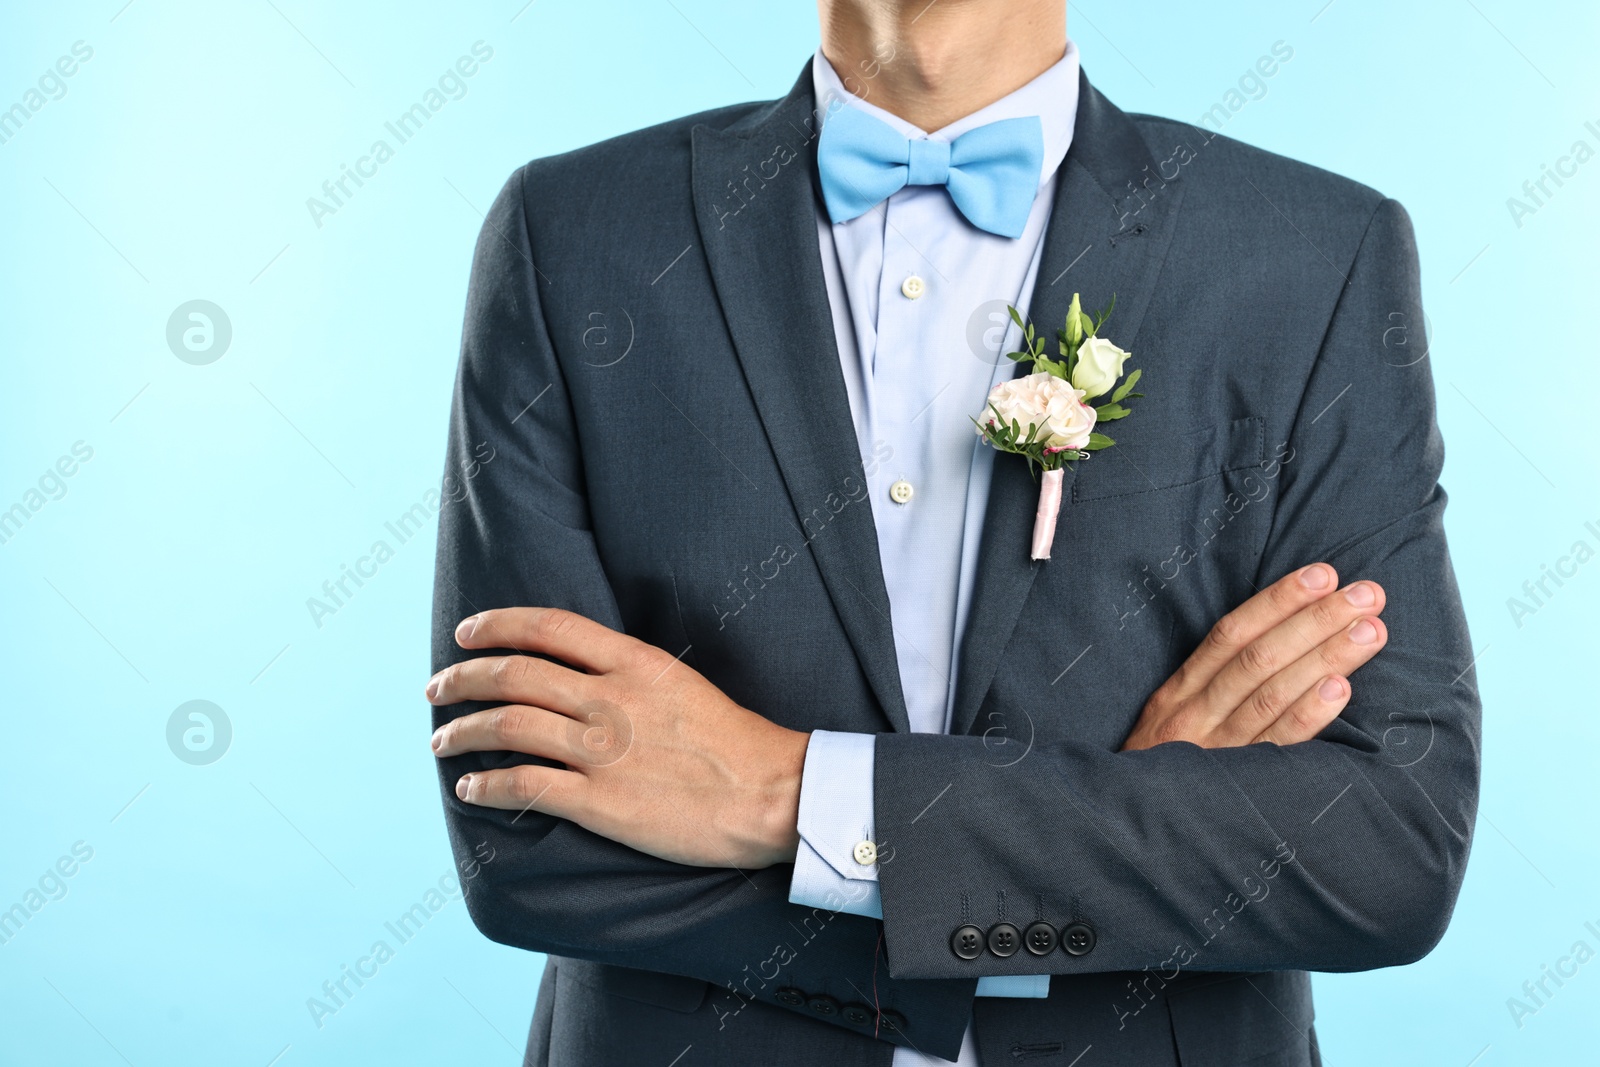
(913, 287)
(900, 492)
(866, 853)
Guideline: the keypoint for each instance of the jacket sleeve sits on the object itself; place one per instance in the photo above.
(514, 530)
(1342, 853)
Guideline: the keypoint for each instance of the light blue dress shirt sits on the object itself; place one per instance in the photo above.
(915, 273)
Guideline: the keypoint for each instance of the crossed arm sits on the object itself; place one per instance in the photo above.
(646, 752)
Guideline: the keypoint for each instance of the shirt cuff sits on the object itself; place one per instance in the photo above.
(817, 885)
(1029, 986)
(835, 816)
(836, 801)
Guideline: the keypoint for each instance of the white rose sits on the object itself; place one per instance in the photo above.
(1045, 401)
(1099, 366)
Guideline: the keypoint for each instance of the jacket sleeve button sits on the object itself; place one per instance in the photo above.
(967, 942)
(823, 1005)
(1040, 939)
(1004, 939)
(1077, 938)
(789, 995)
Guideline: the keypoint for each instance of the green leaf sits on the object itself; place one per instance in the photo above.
(1100, 320)
(1098, 441)
(1127, 385)
(1016, 317)
(1110, 412)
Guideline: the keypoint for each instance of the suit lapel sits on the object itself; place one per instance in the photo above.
(756, 197)
(1110, 227)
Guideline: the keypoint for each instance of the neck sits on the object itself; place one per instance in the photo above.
(934, 63)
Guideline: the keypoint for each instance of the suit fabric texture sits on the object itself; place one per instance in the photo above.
(649, 351)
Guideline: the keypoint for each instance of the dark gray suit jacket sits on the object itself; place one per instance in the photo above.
(648, 353)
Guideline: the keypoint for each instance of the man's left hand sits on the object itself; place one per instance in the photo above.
(655, 757)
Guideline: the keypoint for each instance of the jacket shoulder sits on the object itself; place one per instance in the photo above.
(641, 156)
(1216, 168)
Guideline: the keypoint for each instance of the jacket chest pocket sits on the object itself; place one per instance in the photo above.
(1148, 463)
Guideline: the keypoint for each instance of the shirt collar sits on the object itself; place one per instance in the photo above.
(1053, 96)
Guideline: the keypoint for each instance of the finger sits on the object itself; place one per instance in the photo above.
(1340, 655)
(1252, 619)
(514, 680)
(565, 635)
(527, 788)
(1310, 714)
(514, 728)
(1286, 642)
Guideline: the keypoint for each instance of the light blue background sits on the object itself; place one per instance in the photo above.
(220, 497)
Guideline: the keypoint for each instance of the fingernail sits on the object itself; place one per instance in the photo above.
(466, 628)
(462, 785)
(1363, 632)
(1314, 577)
(438, 738)
(1331, 690)
(433, 688)
(1361, 595)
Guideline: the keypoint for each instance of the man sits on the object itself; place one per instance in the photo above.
(774, 736)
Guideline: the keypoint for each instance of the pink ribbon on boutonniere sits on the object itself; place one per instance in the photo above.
(1044, 520)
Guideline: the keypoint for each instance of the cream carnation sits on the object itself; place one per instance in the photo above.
(1045, 401)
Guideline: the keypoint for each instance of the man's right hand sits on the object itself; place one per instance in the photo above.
(1274, 669)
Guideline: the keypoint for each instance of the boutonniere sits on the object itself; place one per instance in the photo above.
(1043, 416)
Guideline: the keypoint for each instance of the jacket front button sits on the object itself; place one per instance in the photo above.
(1004, 939)
(967, 942)
(1077, 938)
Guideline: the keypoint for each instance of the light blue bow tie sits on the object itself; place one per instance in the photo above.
(992, 171)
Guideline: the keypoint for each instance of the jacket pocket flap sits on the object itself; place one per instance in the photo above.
(1146, 462)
